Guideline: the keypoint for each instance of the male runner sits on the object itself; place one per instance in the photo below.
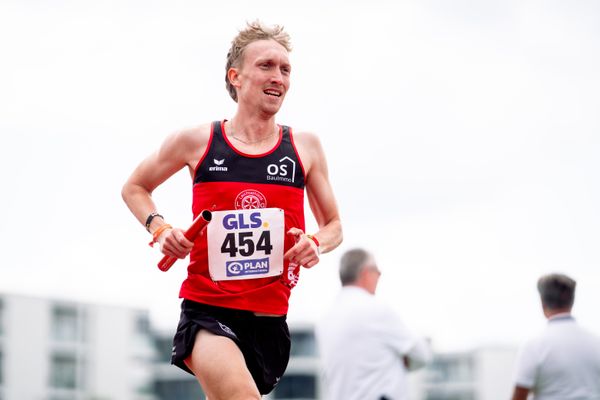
(232, 334)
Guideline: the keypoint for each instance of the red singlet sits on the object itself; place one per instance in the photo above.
(227, 179)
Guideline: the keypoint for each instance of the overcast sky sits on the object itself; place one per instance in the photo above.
(462, 137)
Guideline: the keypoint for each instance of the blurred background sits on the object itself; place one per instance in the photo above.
(462, 139)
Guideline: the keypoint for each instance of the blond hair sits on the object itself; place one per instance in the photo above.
(254, 31)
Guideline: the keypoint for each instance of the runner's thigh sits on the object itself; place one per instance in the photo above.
(219, 365)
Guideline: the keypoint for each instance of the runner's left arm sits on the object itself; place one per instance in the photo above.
(322, 203)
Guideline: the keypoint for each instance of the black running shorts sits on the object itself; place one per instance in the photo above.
(264, 341)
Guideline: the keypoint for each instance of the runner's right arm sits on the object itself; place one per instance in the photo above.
(178, 150)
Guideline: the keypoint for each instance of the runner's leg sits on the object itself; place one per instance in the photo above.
(219, 366)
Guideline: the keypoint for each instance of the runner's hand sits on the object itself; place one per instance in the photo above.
(304, 252)
(174, 244)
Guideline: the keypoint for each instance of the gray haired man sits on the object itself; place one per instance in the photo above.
(365, 348)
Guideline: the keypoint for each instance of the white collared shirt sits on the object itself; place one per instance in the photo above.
(362, 344)
(562, 363)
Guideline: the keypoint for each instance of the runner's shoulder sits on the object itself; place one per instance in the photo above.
(307, 140)
(192, 136)
(185, 145)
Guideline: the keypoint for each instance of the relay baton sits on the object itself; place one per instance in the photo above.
(197, 226)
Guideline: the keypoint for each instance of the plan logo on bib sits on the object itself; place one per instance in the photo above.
(283, 171)
(248, 267)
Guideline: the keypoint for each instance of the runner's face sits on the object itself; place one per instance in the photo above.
(264, 77)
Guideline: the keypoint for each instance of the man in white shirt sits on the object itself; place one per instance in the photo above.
(365, 349)
(563, 363)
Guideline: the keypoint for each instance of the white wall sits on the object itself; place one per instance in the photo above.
(495, 367)
(116, 357)
(25, 348)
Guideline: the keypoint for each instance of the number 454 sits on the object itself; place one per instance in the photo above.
(245, 244)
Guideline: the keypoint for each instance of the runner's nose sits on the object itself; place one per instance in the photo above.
(277, 77)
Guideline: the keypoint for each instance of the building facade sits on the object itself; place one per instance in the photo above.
(481, 374)
(61, 350)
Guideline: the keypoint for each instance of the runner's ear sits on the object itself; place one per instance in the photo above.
(233, 76)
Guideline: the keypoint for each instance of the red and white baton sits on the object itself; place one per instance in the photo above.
(193, 231)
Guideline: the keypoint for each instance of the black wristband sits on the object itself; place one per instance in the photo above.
(150, 218)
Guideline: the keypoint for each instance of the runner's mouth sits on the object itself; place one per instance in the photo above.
(272, 92)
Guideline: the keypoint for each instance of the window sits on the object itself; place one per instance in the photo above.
(179, 389)
(164, 347)
(296, 386)
(146, 388)
(303, 343)
(63, 371)
(1, 316)
(142, 325)
(454, 395)
(452, 369)
(64, 323)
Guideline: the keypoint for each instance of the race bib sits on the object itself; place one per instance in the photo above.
(245, 244)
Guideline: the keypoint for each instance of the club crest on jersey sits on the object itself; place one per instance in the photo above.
(218, 165)
(283, 171)
(250, 199)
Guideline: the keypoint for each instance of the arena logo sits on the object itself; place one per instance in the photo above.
(218, 166)
(285, 171)
(226, 329)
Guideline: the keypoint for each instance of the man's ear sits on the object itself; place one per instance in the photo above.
(233, 76)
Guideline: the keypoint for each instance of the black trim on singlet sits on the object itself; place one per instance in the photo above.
(222, 163)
